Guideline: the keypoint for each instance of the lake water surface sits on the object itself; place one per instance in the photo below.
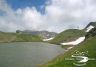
(27, 54)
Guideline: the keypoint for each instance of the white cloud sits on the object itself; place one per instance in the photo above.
(59, 15)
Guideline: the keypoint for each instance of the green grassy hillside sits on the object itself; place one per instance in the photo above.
(7, 37)
(88, 45)
(27, 37)
(68, 35)
(14, 37)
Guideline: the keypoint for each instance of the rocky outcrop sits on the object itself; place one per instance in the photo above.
(91, 33)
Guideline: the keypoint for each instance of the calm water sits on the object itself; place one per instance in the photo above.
(27, 54)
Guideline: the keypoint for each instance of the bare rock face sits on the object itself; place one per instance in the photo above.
(91, 33)
(46, 34)
(92, 30)
(91, 24)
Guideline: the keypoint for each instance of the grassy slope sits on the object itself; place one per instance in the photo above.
(6, 37)
(68, 35)
(28, 38)
(89, 45)
(13, 37)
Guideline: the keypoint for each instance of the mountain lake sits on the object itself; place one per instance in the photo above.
(27, 54)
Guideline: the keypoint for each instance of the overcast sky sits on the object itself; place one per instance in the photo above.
(51, 15)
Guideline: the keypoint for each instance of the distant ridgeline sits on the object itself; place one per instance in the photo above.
(26, 36)
(42, 34)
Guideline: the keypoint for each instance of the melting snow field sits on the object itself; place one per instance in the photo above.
(48, 39)
(89, 28)
(79, 40)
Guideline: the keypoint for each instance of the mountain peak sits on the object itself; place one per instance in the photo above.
(92, 24)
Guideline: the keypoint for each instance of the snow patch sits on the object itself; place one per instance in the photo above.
(79, 40)
(89, 28)
(48, 39)
(69, 48)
